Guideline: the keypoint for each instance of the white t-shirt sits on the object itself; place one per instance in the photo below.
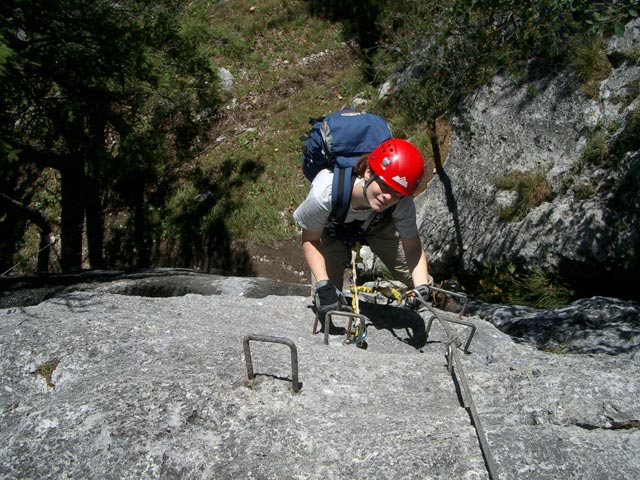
(313, 213)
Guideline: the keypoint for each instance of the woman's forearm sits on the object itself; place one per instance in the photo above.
(416, 260)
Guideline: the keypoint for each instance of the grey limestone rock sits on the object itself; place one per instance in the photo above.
(156, 388)
(226, 79)
(588, 325)
(587, 230)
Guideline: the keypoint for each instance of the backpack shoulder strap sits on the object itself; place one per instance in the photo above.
(343, 181)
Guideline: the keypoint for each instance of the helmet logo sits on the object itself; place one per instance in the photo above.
(400, 180)
(386, 162)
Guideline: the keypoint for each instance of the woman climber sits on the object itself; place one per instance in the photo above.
(381, 214)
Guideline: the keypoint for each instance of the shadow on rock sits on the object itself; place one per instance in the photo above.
(588, 326)
(394, 319)
(24, 291)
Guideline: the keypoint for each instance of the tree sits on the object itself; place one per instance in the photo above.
(109, 94)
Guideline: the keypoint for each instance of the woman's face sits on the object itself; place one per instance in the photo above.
(380, 195)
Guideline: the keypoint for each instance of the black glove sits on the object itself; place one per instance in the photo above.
(328, 298)
(421, 292)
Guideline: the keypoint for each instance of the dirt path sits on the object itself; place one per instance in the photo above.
(282, 261)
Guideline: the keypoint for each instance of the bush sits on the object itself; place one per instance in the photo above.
(589, 61)
(596, 150)
(453, 46)
(508, 281)
(532, 189)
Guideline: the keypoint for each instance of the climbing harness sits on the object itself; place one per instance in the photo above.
(357, 326)
(356, 331)
(389, 292)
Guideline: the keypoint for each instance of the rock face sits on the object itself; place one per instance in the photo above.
(226, 79)
(588, 325)
(586, 225)
(101, 383)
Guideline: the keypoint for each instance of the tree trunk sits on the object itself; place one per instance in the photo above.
(140, 225)
(95, 226)
(46, 242)
(73, 205)
(96, 159)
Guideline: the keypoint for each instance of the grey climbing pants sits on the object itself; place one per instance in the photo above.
(384, 241)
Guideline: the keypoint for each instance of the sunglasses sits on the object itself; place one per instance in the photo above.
(386, 189)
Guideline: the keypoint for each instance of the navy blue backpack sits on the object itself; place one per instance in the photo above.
(337, 142)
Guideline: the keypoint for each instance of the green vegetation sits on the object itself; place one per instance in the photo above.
(117, 137)
(292, 67)
(596, 150)
(113, 97)
(507, 281)
(605, 150)
(457, 45)
(532, 189)
(584, 191)
(552, 347)
(589, 61)
(628, 140)
(46, 369)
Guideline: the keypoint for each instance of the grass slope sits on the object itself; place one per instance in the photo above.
(287, 67)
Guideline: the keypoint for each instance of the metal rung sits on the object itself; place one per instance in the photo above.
(339, 313)
(458, 321)
(460, 296)
(265, 338)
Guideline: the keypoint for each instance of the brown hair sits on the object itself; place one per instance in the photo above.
(361, 166)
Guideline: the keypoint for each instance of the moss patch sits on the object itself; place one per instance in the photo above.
(46, 371)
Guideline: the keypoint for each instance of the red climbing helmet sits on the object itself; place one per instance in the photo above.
(399, 164)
